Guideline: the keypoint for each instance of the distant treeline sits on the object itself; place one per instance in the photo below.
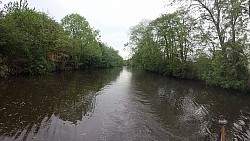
(28, 38)
(204, 39)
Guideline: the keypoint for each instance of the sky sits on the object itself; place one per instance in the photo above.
(112, 17)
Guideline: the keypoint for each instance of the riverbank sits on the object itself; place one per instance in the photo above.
(191, 74)
(32, 42)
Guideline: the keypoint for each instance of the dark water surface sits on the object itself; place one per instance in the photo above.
(118, 104)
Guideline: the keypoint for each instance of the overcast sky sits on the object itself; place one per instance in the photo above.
(112, 17)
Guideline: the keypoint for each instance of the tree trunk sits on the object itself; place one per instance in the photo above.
(166, 47)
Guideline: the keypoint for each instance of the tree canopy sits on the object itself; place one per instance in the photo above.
(28, 36)
(212, 45)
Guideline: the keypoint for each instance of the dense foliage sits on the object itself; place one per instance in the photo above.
(28, 36)
(212, 45)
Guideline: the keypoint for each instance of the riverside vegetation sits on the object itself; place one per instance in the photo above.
(27, 37)
(203, 39)
(211, 45)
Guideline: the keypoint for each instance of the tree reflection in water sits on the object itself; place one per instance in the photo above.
(28, 104)
(191, 109)
(132, 105)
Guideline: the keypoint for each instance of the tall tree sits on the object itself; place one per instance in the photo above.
(226, 22)
(77, 28)
(27, 36)
(84, 45)
(147, 52)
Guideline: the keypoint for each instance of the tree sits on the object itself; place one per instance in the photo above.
(110, 57)
(163, 45)
(84, 39)
(26, 38)
(218, 34)
(174, 33)
(224, 24)
(147, 52)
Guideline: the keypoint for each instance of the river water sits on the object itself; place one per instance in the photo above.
(118, 104)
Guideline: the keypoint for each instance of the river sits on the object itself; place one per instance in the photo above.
(118, 104)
